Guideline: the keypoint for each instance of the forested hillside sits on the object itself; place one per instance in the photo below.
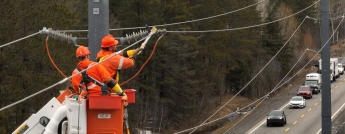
(189, 73)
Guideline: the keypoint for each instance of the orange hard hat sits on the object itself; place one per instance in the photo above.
(82, 51)
(109, 41)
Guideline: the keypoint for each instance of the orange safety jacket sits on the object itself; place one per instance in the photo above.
(97, 73)
(115, 63)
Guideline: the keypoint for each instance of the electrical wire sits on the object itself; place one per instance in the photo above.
(255, 75)
(221, 30)
(51, 60)
(20, 39)
(241, 28)
(177, 23)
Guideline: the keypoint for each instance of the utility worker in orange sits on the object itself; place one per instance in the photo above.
(90, 81)
(118, 62)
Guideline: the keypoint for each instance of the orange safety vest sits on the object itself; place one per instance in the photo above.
(115, 63)
(97, 73)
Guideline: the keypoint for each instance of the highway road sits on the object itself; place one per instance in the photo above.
(299, 121)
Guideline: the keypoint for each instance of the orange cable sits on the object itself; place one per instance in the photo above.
(154, 48)
(51, 60)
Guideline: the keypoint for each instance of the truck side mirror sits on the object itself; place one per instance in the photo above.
(319, 71)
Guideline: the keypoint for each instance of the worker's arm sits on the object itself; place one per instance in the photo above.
(106, 78)
(117, 89)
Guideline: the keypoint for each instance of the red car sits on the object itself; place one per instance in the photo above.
(305, 91)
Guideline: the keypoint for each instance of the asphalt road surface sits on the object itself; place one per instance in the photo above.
(299, 121)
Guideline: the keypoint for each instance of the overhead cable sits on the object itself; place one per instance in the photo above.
(118, 29)
(19, 39)
(241, 28)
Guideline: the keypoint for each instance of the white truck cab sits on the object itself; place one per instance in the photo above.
(314, 81)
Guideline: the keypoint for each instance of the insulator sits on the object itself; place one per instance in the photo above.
(133, 37)
(60, 35)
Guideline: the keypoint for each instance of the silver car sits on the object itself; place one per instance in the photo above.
(297, 101)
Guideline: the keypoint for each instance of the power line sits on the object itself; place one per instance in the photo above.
(241, 28)
(20, 39)
(48, 32)
(177, 23)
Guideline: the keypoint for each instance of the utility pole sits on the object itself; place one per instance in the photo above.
(98, 21)
(325, 56)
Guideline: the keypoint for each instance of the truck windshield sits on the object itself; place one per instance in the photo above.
(296, 98)
(304, 88)
(275, 113)
(311, 83)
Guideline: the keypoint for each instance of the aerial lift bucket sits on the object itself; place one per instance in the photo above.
(105, 113)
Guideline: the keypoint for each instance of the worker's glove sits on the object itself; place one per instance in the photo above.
(82, 95)
(117, 89)
(133, 52)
